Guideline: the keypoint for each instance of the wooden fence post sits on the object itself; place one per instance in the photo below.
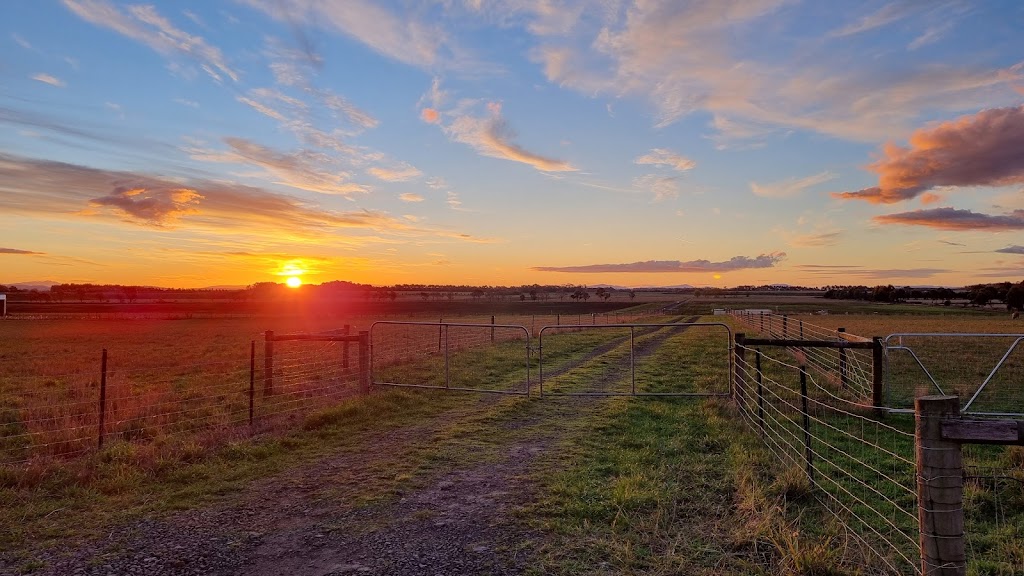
(268, 363)
(346, 330)
(364, 362)
(492, 328)
(740, 361)
(785, 326)
(252, 378)
(877, 371)
(103, 398)
(440, 321)
(843, 377)
(940, 488)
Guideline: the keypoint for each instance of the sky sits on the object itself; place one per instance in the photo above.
(506, 142)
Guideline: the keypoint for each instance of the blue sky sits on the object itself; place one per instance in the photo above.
(512, 141)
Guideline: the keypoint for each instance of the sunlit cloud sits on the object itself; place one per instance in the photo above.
(400, 173)
(686, 57)
(430, 115)
(892, 12)
(491, 136)
(733, 264)
(983, 149)
(663, 157)
(864, 273)
(48, 79)
(790, 187)
(948, 218)
(154, 206)
(144, 24)
(410, 197)
(43, 188)
(403, 38)
(1011, 250)
(304, 169)
(21, 252)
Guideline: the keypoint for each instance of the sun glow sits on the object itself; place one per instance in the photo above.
(293, 282)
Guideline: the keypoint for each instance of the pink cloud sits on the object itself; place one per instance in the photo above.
(984, 149)
(732, 264)
(430, 116)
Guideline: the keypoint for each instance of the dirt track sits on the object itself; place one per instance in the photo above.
(459, 517)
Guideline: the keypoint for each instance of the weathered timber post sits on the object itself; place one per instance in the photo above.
(740, 361)
(785, 326)
(103, 398)
(268, 363)
(447, 353)
(801, 329)
(762, 321)
(492, 328)
(760, 391)
(877, 371)
(842, 361)
(346, 330)
(940, 488)
(252, 378)
(808, 452)
(364, 362)
(558, 319)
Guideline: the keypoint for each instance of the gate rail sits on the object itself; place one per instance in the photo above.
(632, 358)
(445, 348)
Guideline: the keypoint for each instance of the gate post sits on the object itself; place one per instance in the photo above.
(877, 371)
(940, 488)
(741, 363)
(842, 361)
(268, 363)
(364, 362)
(346, 330)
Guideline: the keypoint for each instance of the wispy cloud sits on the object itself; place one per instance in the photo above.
(410, 197)
(492, 136)
(790, 187)
(663, 187)
(695, 56)
(399, 173)
(403, 38)
(304, 170)
(888, 14)
(948, 218)
(51, 189)
(663, 157)
(951, 243)
(984, 149)
(144, 24)
(22, 252)
(21, 42)
(48, 79)
(731, 265)
(815, 240)
(861, 272)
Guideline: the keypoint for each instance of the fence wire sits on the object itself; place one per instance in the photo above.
(852, 369)
(861, 467)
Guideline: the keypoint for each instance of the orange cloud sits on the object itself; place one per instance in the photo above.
(984, 149)
(430, 116)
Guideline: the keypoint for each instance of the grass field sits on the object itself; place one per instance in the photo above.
(623, 495)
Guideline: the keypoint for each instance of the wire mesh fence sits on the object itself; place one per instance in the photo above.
(853, 370)
(862, 467)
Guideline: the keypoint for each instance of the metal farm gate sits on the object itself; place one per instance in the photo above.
(666, 359)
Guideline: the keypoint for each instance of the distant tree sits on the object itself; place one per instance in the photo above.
(425, 295)
(632, 295)
(1015, 297)
(477, 294)
(392, 295)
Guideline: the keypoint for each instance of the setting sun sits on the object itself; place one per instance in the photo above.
(293, 282)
